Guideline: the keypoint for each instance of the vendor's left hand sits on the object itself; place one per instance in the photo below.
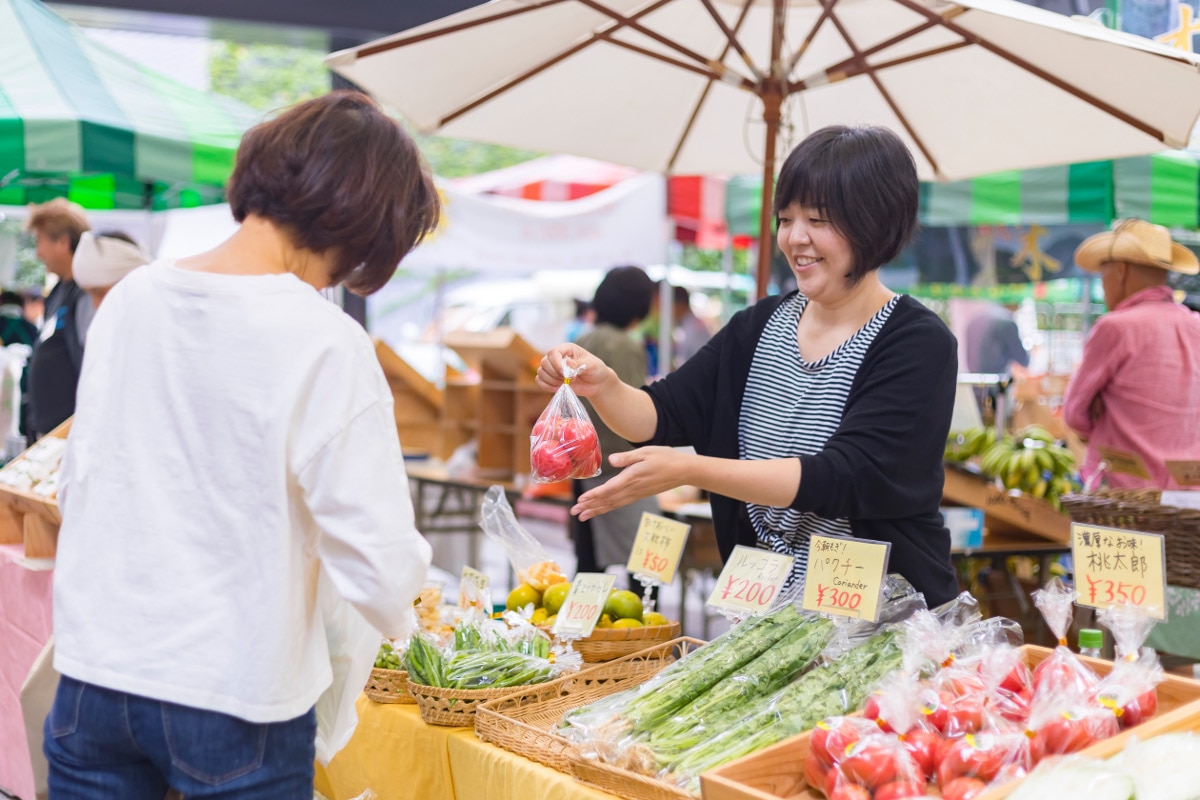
(647, 472)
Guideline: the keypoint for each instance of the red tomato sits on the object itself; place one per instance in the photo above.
(965, 715)
(589, 467)
(1068, 733)
(547, 427)
(975, 757)
(814, 773)
(848, 791)
(933, 707)
(922, 746)
(829, 743)
(899, 790)
(1062, 671)
(940, 749)
(870, 709)
(1142, 708)
(550, 462)
(962, 683)
(870, 765)
(963, 789)
(832, 780)
(1018, 680)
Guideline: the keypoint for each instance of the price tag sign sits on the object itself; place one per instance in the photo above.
(845, 576)
(657, 548)
(472, 587)
(584, 604)
(750, 581)
(1185, 473)
(1114, 566)
(1125, 463)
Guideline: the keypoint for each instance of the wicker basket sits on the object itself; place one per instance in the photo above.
(388, 686)
(623, 783)
(1139, 510)
(455, 708)
(606, 644)
(523, 722)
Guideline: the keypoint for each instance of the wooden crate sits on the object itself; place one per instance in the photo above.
(26, 518)
(777, 772)
(1004, 512)
(500, 402)
(418, 404)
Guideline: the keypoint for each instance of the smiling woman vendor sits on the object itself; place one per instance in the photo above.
(823, 411)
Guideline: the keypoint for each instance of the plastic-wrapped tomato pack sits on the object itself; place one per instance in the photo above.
(563, 443)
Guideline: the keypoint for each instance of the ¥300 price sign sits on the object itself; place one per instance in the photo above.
(583, 605)
(750, 581)
(845, 576)
(657, 548)
(1114, 567)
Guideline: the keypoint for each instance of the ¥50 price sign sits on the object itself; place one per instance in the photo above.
(750, 581)
(657, 548)
(584, 604)
(1114, 566)
(845, 576)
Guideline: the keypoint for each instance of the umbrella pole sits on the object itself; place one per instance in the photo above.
(771, 105)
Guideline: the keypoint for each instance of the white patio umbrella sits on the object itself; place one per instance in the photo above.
(716, 86)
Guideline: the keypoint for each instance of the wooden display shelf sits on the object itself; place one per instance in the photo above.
(418, 404)
(777, 772)
(26, 518)
(1004, 512)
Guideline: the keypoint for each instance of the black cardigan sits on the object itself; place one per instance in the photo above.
(881, 469)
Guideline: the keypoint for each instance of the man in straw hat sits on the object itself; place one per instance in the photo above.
(1135, 390)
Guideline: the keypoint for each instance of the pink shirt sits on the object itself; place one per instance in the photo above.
(1143, 361)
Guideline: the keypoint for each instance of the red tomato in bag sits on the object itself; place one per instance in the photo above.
(550, 461)
(974, 757)
(1018, 680)
(1142, 708)
(870, 763)
(963, 789)
(899, 790)
(1068, 733)
(922, 746)
(830, 743)
(965, 715)
(814, 773)
(548, 428)
(933, 708)
(578, 434)
(591, 467)
(1063, 671)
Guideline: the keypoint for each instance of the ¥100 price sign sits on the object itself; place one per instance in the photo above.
(845, 576)
(1114, 567)
(750, 581)
(583, 605)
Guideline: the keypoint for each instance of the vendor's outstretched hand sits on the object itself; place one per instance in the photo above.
(592, 376)
(648, 471)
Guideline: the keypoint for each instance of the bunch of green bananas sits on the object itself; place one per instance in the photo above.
(971, 442)
(1034, 462)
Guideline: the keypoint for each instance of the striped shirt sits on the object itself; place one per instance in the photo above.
(791, 407)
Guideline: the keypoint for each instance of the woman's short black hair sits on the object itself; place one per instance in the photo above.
(864, 181)
(338, 175)
(623, 297)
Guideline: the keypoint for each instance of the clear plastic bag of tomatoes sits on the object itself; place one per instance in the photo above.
(1065, 721)
(1130, 690)
(563, 443)
(876, 767)
(1061, 670)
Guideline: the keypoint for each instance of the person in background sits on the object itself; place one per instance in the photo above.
(690, 332)
(53, 371)
(103, 260)
(1136, 386)
(14, 328)
(621, 303)
(35, 306)
(823, 411)
(582, 321)
(235, 448)
(993, 342)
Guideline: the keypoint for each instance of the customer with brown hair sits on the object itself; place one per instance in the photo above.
(235, 442)
(53, 371)
(1135, 389)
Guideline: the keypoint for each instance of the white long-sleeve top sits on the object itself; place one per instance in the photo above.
(230, 432)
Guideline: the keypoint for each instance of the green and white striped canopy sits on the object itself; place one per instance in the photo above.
(82, 121)
(1163, 188)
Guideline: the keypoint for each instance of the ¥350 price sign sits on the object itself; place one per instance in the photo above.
(1114, 567)
(845, 576)
(750, 581)
(657, 548)
(583, 605)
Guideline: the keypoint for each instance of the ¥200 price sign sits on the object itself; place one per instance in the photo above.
(583, 605)
(845, 576)
(750, 581)
(1114, 567)
(656, 550)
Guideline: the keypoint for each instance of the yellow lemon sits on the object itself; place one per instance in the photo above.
(522, 596)
(605, 621)
(627, 623)
(550, 620)
(624, 604)
(654, 618)
(554, 596)
(539, 616)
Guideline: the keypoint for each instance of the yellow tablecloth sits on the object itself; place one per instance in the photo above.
(399, 757)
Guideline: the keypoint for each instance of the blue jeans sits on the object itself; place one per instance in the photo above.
(108, 745)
